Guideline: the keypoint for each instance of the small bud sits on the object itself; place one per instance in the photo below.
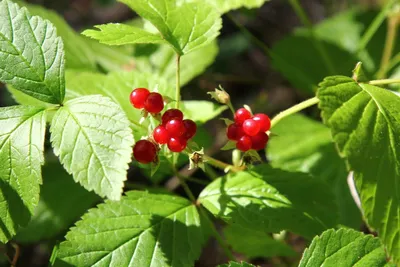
(197, 160)
(220, 95)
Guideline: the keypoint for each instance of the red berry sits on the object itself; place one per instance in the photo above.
(138, 97)
(234, 132)
(175, 128)
(154, 103)
(161, 135)
(190, 129)
(244, 143)
(251, 127)
(171, 114)
(259, 141)
(177, 144)
(264, 120)
(241, 115)
(144, 151)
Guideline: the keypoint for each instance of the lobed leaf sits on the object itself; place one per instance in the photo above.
(142, 229)
(92, 138)
(22, 130)
(31, 54)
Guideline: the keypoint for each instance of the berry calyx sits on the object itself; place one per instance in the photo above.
(190, 129)
(175, 128)
(241, 115)
(138, 97)
(234, 132)
(145, 151)
(244, 143)
(171, 114)
(177, 144)
(264, 121)
(161, 135)
(154, 103)
(251, 127)
(259, 141)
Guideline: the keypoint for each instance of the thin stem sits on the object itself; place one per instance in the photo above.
(184, 185)
(317, 43)
(222, 165)
(178, 81)
(192, 179)
(384, 81)
(296, 108)
(231, 107)
(394, 61)
(393, 23)
(217, 236)
(16, 255)
(374, 26)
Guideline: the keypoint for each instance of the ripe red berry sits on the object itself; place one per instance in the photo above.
(264, 120)
(145, 151)
(259, 141)
(161, 135)
(244, 143)
(251, 127)
(177, 144)
(138, 97)
(171, 114)
(241, 115)
(234, 132)
(154, 103)
(190, 129)
(175, 128)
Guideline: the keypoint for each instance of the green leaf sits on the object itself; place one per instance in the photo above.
(345, 248)
(142, 230)
(186, 26)
(272, 200)
(224, 6)
(31, 54)
(122, 34)
(253, 243)
(365, 125)
(305, 145)
(91, 135)
(25, 99)
(62, 202)
(237, 264)
(201, 111)
(22, 130)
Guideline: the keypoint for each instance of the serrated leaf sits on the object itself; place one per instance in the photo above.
(140, 230)
(253, 243)
(92, 138)
(365, 125)
(31, 54)
(272, 200)
(122, 34)
(22, 130)
(345, 248)
(186, 26)
(224, 6)
(302, 144)
(62, 201)
(237, 264)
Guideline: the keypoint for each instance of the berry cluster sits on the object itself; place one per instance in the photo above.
(249, 131)
(173, 130)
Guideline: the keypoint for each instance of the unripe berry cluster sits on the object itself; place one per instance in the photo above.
(173, 130)
(249, 132)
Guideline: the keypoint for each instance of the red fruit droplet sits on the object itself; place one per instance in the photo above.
(241, 115)
(259, 141)
(175, 128)
(154, 103)
(161, 135)
(251, 127)
(264, 120)
(138, 97)
(177, 144)
(145, 151)
(171, 114)
(234, 132)
(190, 129)
(244, 143)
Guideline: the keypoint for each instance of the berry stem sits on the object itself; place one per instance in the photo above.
(296, 108)
(221, 165)
(384, 81)
(184, 184)
(178, 81)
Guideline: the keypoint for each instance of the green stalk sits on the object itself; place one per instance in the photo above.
(384, 81)
(178, 81)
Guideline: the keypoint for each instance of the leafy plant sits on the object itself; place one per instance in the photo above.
(321, 181)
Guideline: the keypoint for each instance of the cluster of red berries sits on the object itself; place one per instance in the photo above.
(249, 132)
(173, 130)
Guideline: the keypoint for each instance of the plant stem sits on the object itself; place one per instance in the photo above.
(374, 26)
(231, 107)
(384, 81)
(184, 185)
(317, 43)
(393, 23)
(217, 236)
(296, 108)
(394, 61)
(192, 179)
(178, 81)
(222, 165)
(16, 255)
